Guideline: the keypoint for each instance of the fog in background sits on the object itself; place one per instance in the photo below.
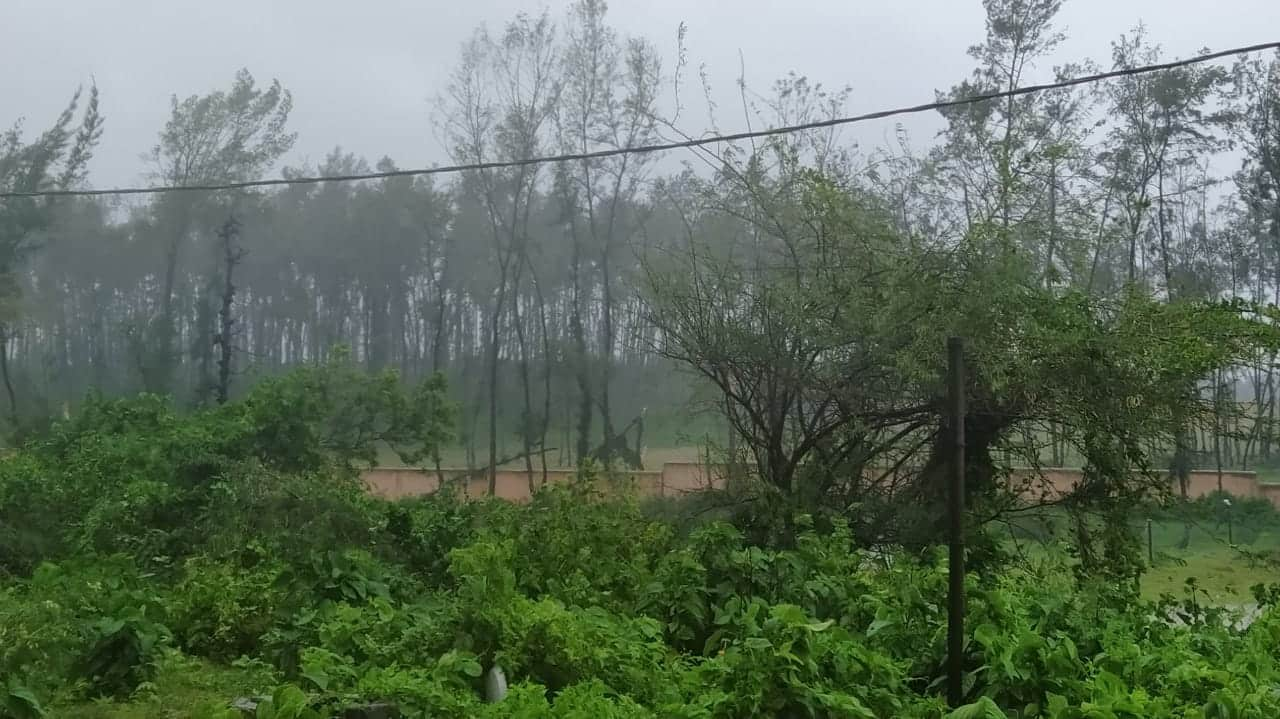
(363, 75)
(535, 291)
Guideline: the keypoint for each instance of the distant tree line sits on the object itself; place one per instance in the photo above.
(538, 290)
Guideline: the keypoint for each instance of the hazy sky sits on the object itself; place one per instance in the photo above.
(363, 74)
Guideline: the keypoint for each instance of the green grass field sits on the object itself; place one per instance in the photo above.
(183, 688)
(1224, 571)
(1225, 563)
(1224, 574)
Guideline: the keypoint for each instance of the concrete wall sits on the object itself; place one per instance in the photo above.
(1053, 482)
(674, 479)
(677, 478)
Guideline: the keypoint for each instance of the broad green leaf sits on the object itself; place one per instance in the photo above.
(984, 708)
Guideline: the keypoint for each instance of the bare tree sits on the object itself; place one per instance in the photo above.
(497, 106)
(608, 101)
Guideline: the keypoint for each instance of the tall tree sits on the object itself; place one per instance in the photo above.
(225, 136)
(996, 153)
(497, 107)
(1158, 121)
(1254, 101)
(55, 160)
(609, 101)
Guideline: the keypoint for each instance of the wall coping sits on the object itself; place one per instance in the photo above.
(479, 471)
(538, 470)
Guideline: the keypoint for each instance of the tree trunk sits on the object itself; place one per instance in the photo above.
(438, 347)
(206, 340)
(378, 334)
(231, 256)
(1135, 226)
(582, 369)
(526, 423)
(1164, 235)
(1181, 473)
(606, 355)
(4, 370)
(546, 367)
(494, 334)
(1049, 271)
(159, 370)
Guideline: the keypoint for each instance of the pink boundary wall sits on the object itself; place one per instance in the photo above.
(1201, 482)
(677, 478)
(674, 479)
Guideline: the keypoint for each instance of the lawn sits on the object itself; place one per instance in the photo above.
(183, 688)
(1223, 573)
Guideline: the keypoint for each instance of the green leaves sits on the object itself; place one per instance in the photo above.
(984, 708)
(319, 414)
(135, 476)
(122, 652)
(287, 702)
(586, 604)
(17, 701)
(225, 136)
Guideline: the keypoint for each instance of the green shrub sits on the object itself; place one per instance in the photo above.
(776, 661)
(288, 517)
(134, 476)
(222, 610)
(586, 700)
(572, 545)
(29, 515)
(442, 687)
(553, 644)
(421, 531)
(122, 653)
(134, 539)
(18, 701)
(94, 623)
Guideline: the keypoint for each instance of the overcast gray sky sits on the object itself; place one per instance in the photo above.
(363, 73)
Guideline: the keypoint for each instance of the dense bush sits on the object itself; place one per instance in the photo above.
(138, 540)
(134, 476)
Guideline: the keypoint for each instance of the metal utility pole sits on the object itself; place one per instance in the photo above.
(955, 511)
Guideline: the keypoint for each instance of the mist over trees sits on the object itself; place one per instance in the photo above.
(796, 289)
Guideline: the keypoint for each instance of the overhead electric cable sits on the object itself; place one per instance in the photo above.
(662, 147)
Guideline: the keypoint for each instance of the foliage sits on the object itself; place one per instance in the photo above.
(424, 529)
(335, 410)
(56, 160)
(1098, 191)
(826, 343)
(121, 652)
(813, 293)
(276, 466)
(287, 702)
(19, 702)
(590, 608)
(224, 608)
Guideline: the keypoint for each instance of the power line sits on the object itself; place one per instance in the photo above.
(665, 146)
